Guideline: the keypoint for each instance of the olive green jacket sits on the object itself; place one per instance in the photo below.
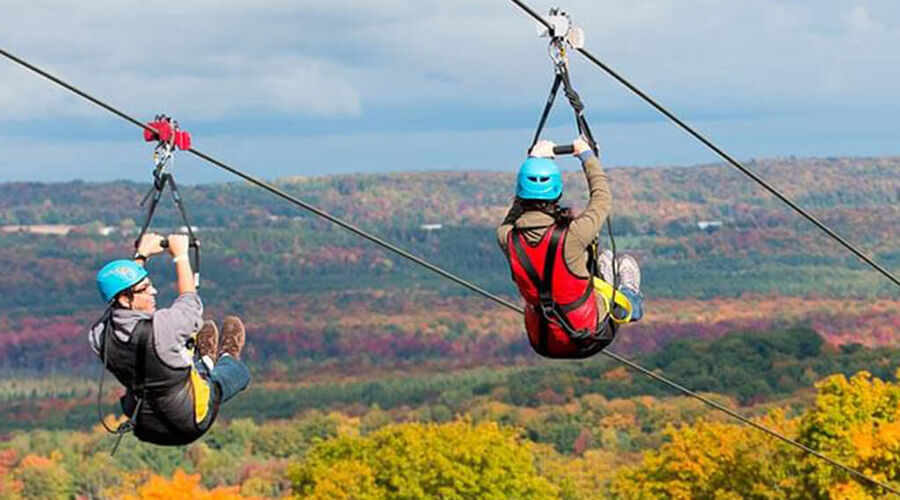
(582, 231)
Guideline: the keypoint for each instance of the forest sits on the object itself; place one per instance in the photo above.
(356, 353)
(587, 430)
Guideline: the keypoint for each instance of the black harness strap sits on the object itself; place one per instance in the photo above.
(106, 320)
(557, 80)
(539, 283)
(142, 336)
(561, 77)
(129, 425)
(525, 261)
(579, 301)
(160, 179)
(551, 311)
(545, 290)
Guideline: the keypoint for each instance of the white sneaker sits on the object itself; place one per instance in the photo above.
(629, 273)
(604, 265)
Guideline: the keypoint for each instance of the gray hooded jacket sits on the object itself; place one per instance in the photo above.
(172, 328)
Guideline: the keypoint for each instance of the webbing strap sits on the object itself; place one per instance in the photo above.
(551, 311)
(538, 282)
(561, 77)
(160, 179)
(557, 80)
(579, 301)
(192, 238)
(550, 264)
(525, 261)
(577, 106)
(553, 308)
(141, 334)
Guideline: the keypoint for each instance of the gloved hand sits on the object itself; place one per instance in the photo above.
(580, 145)
(543, 149)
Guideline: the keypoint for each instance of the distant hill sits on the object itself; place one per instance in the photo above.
(701, 233)
(651, 197)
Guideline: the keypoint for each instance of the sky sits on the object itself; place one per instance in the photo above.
(313, 87)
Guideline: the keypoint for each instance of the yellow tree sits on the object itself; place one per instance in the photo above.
(856, 421)
(714, 460)
(449, 461)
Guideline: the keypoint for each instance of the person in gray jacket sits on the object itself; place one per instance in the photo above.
(169, 360)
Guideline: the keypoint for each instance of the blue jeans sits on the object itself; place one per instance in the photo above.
(637, 305)
(229, 374)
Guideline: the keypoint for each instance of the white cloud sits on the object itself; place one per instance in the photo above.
(223, 60)
(198, 59)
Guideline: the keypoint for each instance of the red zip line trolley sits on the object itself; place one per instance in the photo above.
(168, 137)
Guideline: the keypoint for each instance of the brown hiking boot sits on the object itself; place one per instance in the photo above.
(208, 340)
(233, 336)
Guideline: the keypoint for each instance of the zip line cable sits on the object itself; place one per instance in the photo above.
(446, 274)
(272, 189)
(720, 152)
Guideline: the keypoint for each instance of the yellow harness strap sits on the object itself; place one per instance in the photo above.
(605, 291)
(200, 388)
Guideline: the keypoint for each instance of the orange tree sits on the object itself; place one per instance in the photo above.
(181, 485)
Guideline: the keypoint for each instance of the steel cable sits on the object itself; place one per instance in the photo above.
(768, 187)
(446, 274)
(720, 152)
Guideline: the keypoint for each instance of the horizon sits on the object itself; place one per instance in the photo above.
(565, 167)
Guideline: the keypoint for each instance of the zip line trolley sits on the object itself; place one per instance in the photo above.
(168, 137)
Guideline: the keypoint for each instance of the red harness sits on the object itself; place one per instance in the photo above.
(561, 314)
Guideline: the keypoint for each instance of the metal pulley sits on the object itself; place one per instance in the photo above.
(561, 30)
(168, 137)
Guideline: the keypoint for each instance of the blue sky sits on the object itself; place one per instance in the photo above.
(283, 87)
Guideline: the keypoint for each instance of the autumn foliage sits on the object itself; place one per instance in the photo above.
(855, 421)
(181, 486)
(390, 383)
(586, 447)
(450, 461)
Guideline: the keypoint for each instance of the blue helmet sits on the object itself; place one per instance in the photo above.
(117, 276)
(539, 179)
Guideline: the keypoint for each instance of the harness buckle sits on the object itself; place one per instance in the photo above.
(548, 309)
